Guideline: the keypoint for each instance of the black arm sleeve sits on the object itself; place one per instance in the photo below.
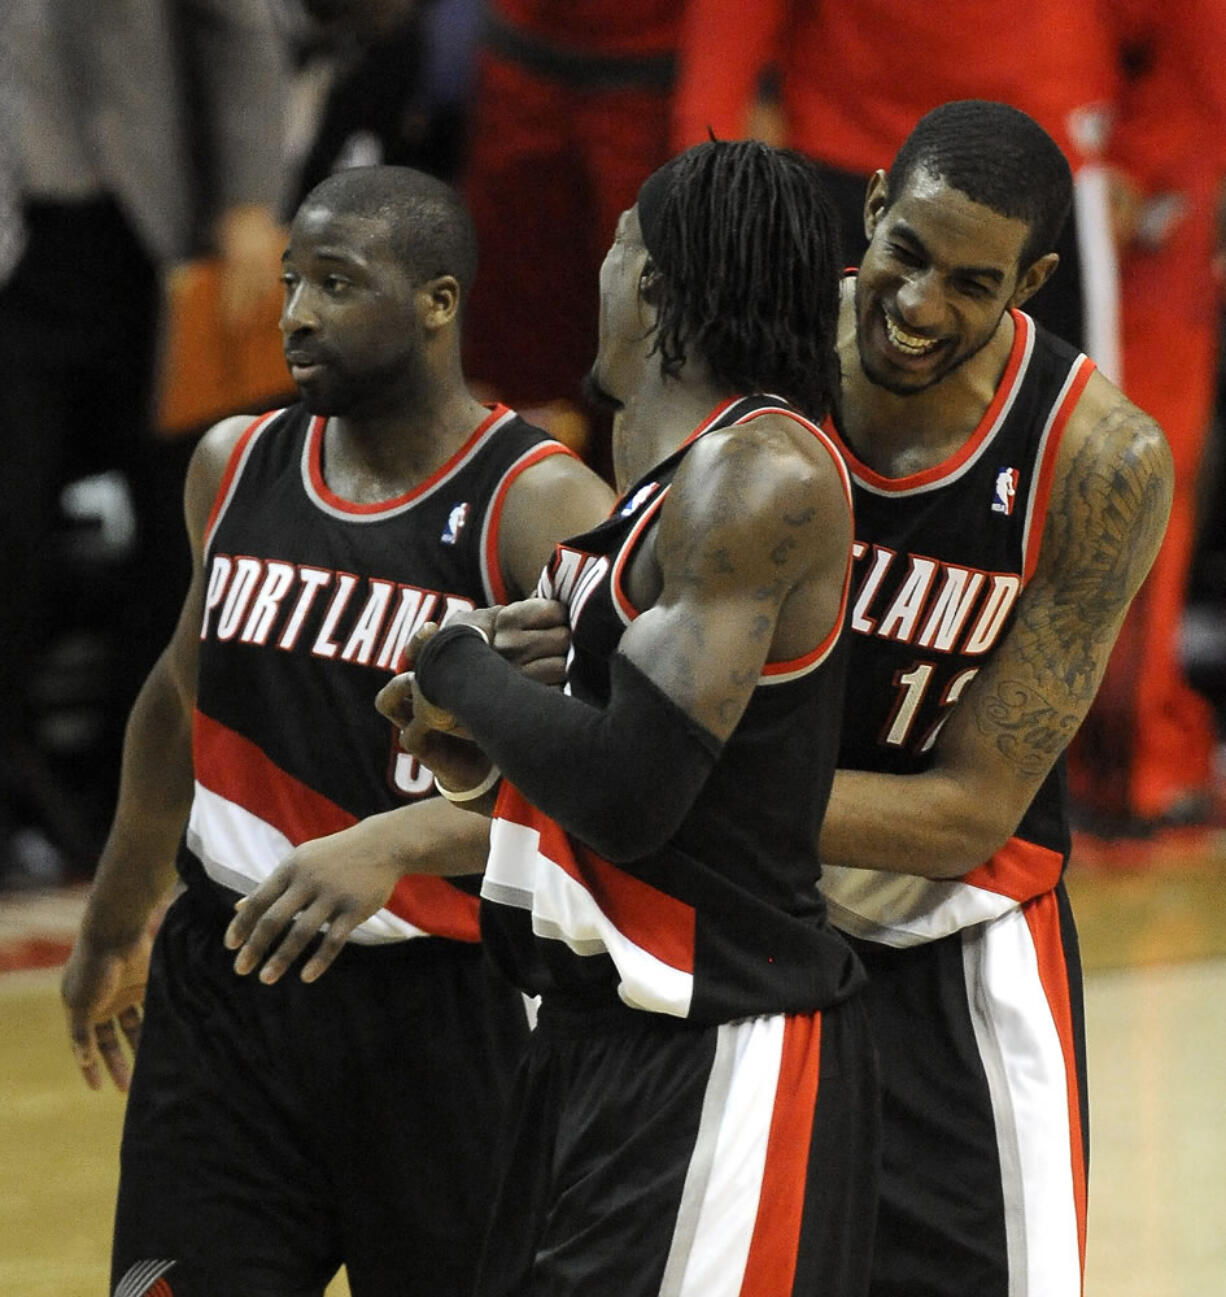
(620, 778)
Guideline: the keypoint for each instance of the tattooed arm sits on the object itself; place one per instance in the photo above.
(1105, 522)
(756, 514)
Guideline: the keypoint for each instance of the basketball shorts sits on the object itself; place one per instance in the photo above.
(646, 1155)
(980, 1039)
(274, 1133)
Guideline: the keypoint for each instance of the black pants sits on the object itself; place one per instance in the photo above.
(273, 1133)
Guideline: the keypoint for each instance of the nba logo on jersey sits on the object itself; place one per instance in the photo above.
(1006, 490)
(455, 523)
(636, 499)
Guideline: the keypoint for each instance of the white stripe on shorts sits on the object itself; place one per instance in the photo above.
(719, 1204)
(1028, 1081)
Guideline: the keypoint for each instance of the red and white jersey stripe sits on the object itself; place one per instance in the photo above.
(310, 600)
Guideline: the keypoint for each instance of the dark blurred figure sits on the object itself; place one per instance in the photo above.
(854, 78)
(1144, 758)
(144, 132)
(571, 114)
(395, 86)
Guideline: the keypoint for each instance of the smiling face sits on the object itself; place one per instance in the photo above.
(938, 276)
(351, 322)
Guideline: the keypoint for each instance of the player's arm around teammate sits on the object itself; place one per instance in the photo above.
(1105, 520)
(339, 881)
(748, 564)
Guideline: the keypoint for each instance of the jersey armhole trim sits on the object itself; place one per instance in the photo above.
(774, 673)
(233, 471)
(492, 577)
(625, 608)
(1049, 452)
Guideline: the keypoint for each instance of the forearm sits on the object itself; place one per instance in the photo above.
(136, 866)
(431, 837)
(620, 778)
(928, 824)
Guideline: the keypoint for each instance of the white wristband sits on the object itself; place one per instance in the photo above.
(471, 794)
(476, 630)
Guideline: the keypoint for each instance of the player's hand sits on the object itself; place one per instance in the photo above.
(328, 886)
(534, 635)
(402, 702)
(103, 989)
(429, 733)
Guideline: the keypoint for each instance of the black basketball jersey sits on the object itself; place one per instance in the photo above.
(941, 558)
(310, 602)
(725, 920)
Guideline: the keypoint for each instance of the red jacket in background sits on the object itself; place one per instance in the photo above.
(855, 77)
(603, 27)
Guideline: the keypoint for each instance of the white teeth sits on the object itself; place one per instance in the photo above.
(908, 342)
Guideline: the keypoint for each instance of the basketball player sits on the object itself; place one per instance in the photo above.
(273, 1133)
(697, 1110)
(1008, 502)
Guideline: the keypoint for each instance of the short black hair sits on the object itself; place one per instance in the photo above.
(995, 155)
(431, 230)
(744, 265)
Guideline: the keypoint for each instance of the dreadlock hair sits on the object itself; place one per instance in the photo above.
(996, 156)
(429, 228)
(743, 267)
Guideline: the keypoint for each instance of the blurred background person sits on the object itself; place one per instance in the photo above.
(142, 132)
(1134, 95)
(379, 82)
(571, 114)
(1144, 758)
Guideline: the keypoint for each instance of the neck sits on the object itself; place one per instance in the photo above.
(659, 417)
(381, 454)
(902, 434)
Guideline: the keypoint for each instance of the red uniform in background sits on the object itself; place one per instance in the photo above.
(855, 78)
(571, 115)
(1145, 752)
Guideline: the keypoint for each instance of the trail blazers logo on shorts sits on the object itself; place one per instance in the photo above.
(1006, 491)
(145, 1279)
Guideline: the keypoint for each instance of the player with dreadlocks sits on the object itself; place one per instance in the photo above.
(760, 324)
(697, 1112)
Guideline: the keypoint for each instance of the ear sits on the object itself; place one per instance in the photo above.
(649, 283)
(439, 301)
(876, 200)
(1034, 277)
(649, 296)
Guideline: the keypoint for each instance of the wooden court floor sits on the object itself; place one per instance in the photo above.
(1153, 926)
